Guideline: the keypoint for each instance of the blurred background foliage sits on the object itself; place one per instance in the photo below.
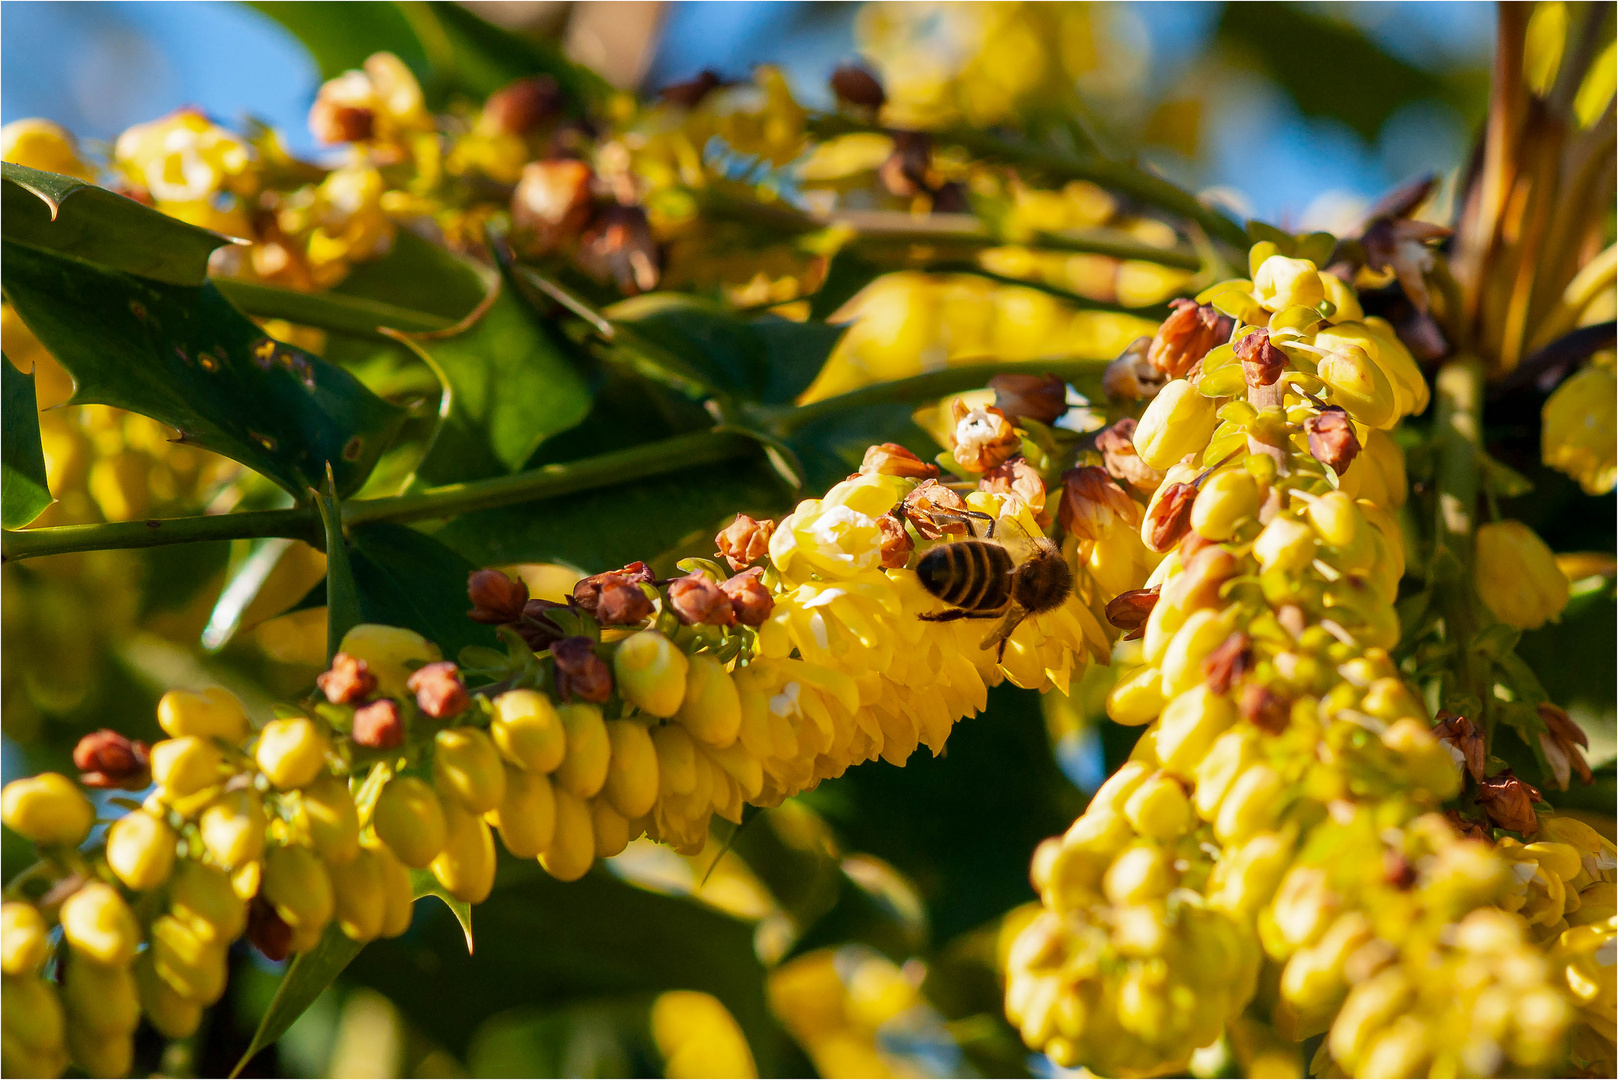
(855, 930)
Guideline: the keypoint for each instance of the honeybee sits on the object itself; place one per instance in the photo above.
(1002, 574)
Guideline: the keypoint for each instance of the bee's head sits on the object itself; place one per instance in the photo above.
(1043, 581)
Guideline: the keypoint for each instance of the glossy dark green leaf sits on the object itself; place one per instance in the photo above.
(763, 358)
(423, 883)
(47, 210)
(418, 275)
(24, 494)
(183, 355)
(407, 578)
(609, 527)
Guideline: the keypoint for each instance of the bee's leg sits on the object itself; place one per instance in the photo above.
(959, 613)
(942, 519)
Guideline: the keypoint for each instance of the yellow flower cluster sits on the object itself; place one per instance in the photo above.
(1279, 812)
(840, 1003)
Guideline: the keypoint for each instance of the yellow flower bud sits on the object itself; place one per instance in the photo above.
(1280, 283)
(573, 847)
(1140, 874)
(330, 817)
(676, 759)
(712, 709)
(398, 895)
(1189, 725)
(1182, 661)
(232, 829)
(698, 1037)
(291, 753)
(1136, 698)
(610, 829)
(631, 784)
(1579, 421)
(1431, 766)
(650, 673)
(1286, 544)
(140, 850)
(185, 766)
(584, 769)
(192, 965)
(174, 1016)
(297, 885)
(36, 143)
(203, 898)
(1342, 297)
(357, 895)
(47, 809)
(1335, 518)
(466, 865)
(100, 998)
(528, 731)
(391, 653)
(99, 925)
(24, 938)
(527, 815)
(31, 1027)
(410, 820)
(1358, 385)
(1246, 876)
(1179, 421)
(214, 713)
(1160, 809)
(101, 1054)
(1370, 1007)
(1517, 575)
(467, 768)
(1226, 499)
(1253, 801)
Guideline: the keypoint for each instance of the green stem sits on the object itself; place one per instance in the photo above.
(1458, 430)
(1060, 165)
(934, 384)
(303, 523)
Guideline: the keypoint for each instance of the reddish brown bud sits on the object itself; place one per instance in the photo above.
(1116, 445)
(1230, 660)
(1032, 397)
(931, 507)
(689, 94)
(908, 171)
(496, 598)
(536, 626)
(1332, 440)
(1170, 519)
(891, 459)
(619, 246)
(1092, 504)
(1017, 477)
(896, 542)
(1265, 709)
(1262, 362)
(981, 438)
(1397, 870)
(106, 759)
(379, 725)
(1186, 336)
(266, 931)
(1464, 738)
(518, 108)
(1561, 741)
(697, 598)
(857, 86)
(749, 599)
(348, 682)
(580, 674)
(1467, 827)
(745, 541)
(621, 603)
(587, 593)
(1129, 610)
(552, 202)
(1509, 802)
(439, 691)
(1132, 377)
(334, 123)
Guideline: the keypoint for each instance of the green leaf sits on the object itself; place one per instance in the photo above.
(343, 607)
(848, 273)
(329, 311)
(609, 527)
(418, 275)
(406, 578)
(764, 358)
(509, 385)
(23, 491)
(183, 355)
(47, 210)
(305, 980)
(423, 883)
(247, 577)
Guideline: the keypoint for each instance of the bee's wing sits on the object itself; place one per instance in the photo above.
(1014, 538)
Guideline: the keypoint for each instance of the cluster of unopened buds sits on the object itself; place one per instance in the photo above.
(1275, 860)
(638, 707)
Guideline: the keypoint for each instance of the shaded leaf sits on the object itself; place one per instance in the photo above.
(24, 494)
(423, 883)
(183, 355)
(48, 210)
(406, 578)
(609, 527)
(329, 311)
(306, 978)
(418, 275)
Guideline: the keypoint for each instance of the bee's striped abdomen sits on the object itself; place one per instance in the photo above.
(969, 574)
